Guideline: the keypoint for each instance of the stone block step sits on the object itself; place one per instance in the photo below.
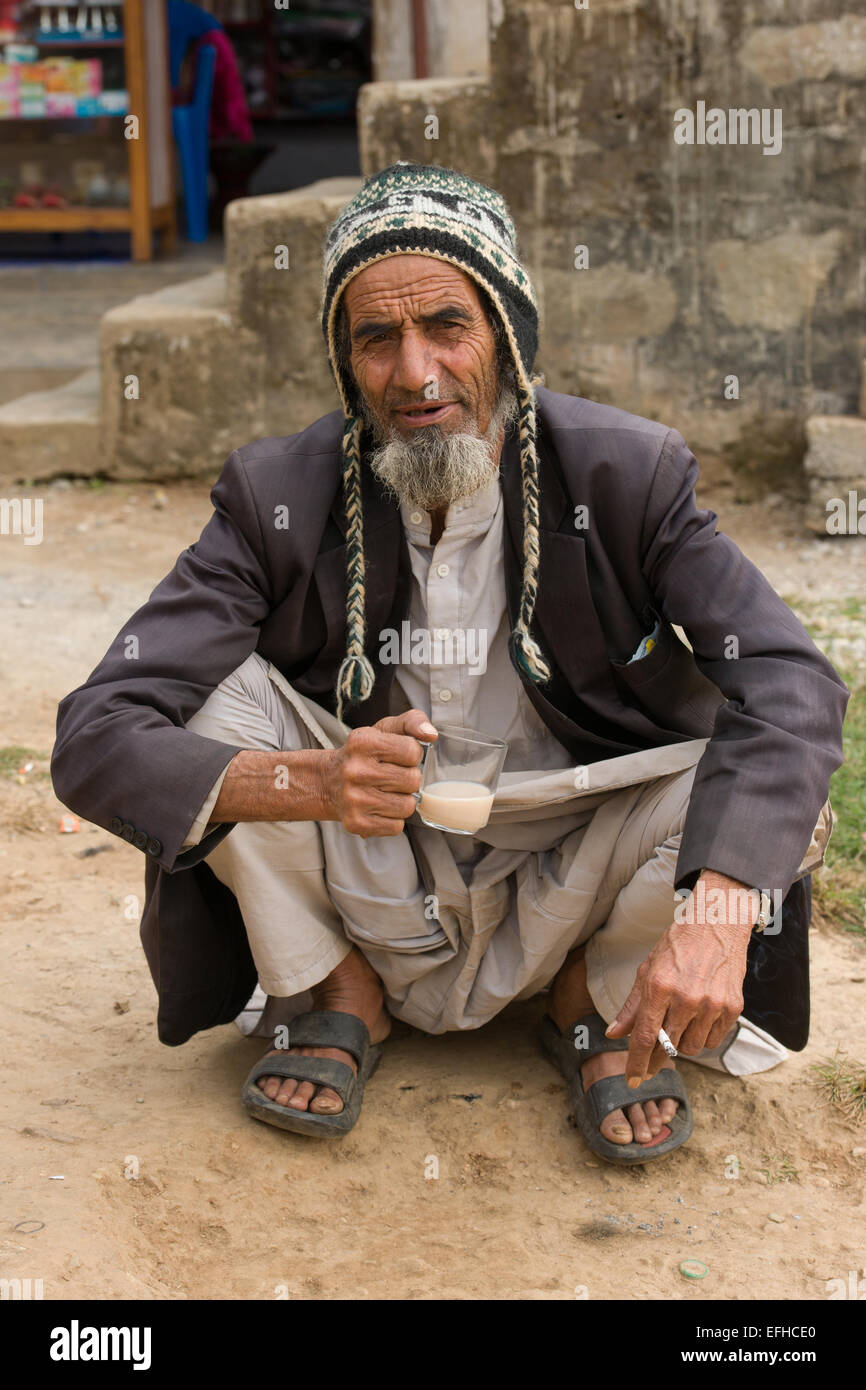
(48, 433)
(835, 467)
(179, 387)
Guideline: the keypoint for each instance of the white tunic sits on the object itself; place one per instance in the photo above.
(458, 604)
(458, 598)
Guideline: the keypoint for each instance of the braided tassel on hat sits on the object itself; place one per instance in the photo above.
(356, 676)
(524, 648)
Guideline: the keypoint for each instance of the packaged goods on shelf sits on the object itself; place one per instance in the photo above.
(61, 87)
(87, 20)
(8, 91)
(82, 76)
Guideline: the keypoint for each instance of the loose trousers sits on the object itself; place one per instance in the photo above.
(457, 926)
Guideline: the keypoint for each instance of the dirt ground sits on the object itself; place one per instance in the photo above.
(223, 1207)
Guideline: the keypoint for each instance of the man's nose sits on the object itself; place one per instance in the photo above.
(414, 364)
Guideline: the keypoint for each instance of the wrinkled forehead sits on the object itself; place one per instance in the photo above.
(409, 283)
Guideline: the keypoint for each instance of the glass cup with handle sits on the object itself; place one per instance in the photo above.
(461, 773)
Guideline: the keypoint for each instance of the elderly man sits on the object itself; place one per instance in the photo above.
(257, 727)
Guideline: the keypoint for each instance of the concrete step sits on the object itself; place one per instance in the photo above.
(198, 369)
(275, 294)
(201, 297)
(179, 383)
(48, 433)
(195, 370)
(835, 467)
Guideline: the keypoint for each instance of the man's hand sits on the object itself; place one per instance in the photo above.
(691, 983)
(370, 781)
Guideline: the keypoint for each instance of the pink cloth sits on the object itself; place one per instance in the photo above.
(229, 112)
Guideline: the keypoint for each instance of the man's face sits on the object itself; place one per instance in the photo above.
(424, 359)
(414, 320)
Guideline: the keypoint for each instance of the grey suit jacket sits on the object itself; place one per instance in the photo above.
(642, 551)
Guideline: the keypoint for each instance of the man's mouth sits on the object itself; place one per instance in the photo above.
(427, 413)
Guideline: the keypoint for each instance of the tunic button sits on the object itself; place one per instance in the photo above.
(442, 634)
(445, 695)
(416, 517)
(442, 570)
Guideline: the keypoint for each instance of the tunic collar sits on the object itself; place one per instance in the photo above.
(470, 516)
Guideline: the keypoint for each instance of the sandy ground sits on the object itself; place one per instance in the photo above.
(223, 1207)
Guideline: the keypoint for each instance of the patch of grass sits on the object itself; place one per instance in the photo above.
(842, 1082)
(839, 886)
(13, 756)
(779, 1168)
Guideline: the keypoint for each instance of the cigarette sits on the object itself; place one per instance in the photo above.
(667, 1044)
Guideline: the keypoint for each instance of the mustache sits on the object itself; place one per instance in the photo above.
(443, 393)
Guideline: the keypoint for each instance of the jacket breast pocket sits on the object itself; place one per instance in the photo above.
(652, 653)
(666, 682)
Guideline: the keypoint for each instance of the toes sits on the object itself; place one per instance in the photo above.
(667, 1109)
(616, 1127)
(642, 1122)
(285, 1090)
(642, 1132)
(326, 1102)
(653, 1117)
(271, 1085)
(304, 1093)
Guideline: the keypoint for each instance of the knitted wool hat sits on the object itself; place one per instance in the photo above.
(422, 209)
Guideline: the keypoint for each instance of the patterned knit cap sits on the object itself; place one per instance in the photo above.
(425, 210)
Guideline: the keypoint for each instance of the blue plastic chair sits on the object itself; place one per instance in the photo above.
(190, 125)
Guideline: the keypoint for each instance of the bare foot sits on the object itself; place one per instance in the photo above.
(353, 987)
(568, 1001)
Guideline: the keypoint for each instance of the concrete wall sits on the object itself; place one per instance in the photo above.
(457, 39)
(703, 262)
(718, 289)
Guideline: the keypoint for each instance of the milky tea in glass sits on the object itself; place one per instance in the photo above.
(461, 772)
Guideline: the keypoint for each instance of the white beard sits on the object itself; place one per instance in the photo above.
(431, 468)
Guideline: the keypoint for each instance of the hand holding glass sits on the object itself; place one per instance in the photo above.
(461, 772)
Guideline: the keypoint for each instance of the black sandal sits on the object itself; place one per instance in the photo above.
(326, 1028)
(611, 1093)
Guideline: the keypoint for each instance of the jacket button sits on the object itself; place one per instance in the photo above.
(115, 825)
(127, 831)
(154, 847)
(140, 839)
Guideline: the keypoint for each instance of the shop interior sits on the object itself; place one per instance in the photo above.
(126, 126)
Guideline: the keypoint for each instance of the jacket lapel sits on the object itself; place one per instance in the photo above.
(567, 621)
(383, 545)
